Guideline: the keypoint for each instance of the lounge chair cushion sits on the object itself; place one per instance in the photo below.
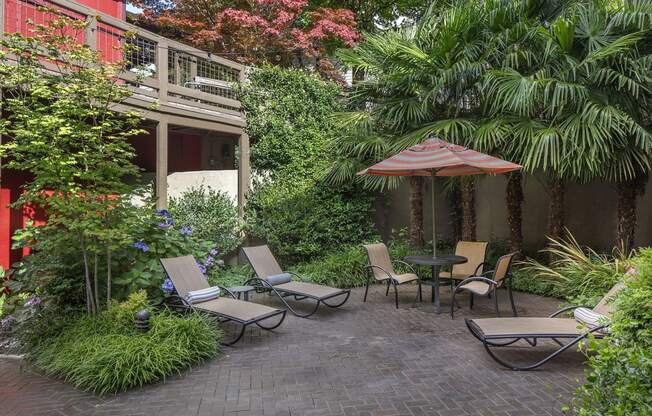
(278, 279)
(239, 309)
(524, 327)
(203, 295)
(310, 289)
(478, 288)
(589, 318)
(404, 278)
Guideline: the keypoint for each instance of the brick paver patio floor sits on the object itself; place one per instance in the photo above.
(362, 359)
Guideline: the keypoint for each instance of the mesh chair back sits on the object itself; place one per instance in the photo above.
(475, 252)
(185, 274)
(379, 256)
(502, 268)
(262, 260)
(605, 307)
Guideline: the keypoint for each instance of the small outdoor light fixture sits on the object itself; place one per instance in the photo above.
(142, 320)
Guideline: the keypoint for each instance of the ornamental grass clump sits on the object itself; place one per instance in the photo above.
(578, 274)
(105, 354)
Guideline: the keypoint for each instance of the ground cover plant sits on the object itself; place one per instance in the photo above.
(104, 353)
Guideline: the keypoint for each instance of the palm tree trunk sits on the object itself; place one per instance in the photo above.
(455, 203)
(416, 211)
(514, 200)
(556, 209)
(628, 192)
(468, 209)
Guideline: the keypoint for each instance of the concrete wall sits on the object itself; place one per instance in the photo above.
(590, 212)
(218, 180)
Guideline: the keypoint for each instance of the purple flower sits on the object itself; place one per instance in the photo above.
(186, 230)
(209, 261)
(33, 301)
(168, 286)
(140, 245)
(164, 213)
(202, 268)
(7, 322)
(164, 225)
(213, 252)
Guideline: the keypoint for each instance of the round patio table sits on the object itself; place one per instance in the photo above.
(435, 263)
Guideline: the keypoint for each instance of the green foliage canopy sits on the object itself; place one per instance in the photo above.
(291, 208)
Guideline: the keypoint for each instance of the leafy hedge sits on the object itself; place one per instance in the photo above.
(346, 268)
(619, 380)
(290, 125)
(105, 354)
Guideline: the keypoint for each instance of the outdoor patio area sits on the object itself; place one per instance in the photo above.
(361, 359)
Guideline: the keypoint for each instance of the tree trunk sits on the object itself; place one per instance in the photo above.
(628, 192)
(416, 211)
(468, 209)
(455, 202)
(556, 209)
(514, 200)
(108, 274)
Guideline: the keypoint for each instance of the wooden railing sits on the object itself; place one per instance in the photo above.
(174, 74)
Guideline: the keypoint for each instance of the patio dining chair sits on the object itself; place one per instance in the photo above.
(476, 254)
(382, 270)
(482, 285)
(189, 281)
(501, 332)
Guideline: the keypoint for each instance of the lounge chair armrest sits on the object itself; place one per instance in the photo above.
(409, 266)
(227, 291)
(176, 298)
(301, 278)
(476, 272)
(568, 308)
(373, 266)
(260, 282)
(476, 279)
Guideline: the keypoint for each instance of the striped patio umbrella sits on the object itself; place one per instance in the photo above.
(435, 157)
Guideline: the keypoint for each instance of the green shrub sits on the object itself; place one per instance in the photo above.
(211, 214)
(347, 267)
(291, 208)
(578, 274)
(105, 354)
(619, 378)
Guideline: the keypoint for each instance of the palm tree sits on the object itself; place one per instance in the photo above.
(579, 112)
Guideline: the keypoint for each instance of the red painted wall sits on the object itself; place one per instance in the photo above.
(109, 40)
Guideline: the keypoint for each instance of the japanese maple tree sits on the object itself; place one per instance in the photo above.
(282, 32)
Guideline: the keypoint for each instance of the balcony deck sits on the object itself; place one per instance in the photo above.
(187, 86)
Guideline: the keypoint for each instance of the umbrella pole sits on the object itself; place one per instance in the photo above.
(434, 228)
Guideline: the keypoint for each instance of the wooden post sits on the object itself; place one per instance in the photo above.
(162, 71)
(90, 34)
(162, 164)
(244, 172)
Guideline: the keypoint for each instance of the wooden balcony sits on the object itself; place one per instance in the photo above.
(187, 86)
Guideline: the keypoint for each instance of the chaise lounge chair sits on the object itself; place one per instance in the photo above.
(270, 277)
(186, 277)
(501, 332)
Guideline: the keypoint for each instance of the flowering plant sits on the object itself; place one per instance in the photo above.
(156, 235)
